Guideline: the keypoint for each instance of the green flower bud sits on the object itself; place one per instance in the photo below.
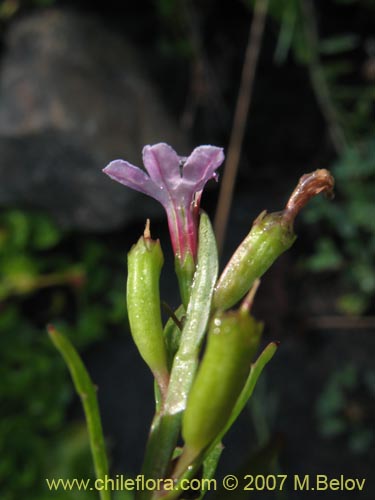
(233, 338)
(145, 261)
(270, 236)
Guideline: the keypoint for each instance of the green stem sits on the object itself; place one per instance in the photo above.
(209, 463)
(185, 273)
(87, 393)
(165, 428)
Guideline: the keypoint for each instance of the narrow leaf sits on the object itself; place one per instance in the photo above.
(210, 465)
(256, 369)
(197, 315)
(87, 393)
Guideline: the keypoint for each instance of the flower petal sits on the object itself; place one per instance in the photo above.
(163, 165)
(201, 165)
(133, 177)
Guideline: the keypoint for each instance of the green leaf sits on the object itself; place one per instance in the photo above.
(197, 315)
(210, 464)
(87, 393)
(255, 372)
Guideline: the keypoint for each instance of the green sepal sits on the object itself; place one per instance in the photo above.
(185, 274)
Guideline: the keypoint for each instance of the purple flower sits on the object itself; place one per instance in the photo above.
(176, 182)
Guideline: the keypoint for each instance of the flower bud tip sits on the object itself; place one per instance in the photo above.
(309, 185)
(147, 231)
(248, 301)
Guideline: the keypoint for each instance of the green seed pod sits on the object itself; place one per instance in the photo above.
(145, 261)
(271, 235)
(233, 338)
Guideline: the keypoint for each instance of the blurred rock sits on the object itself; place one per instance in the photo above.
(72, 98)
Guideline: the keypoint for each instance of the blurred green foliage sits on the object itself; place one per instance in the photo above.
(176, 38)
(40, 282)
(342, 409)
(346, 96)
(351, 251)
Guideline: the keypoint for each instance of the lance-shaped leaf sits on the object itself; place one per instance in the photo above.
(87, 393)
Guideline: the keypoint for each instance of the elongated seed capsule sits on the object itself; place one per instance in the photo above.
(233, 338)
(145, 261)
(271, 235)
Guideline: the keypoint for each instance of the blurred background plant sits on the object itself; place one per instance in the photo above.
(340, 410)
(341, 66)
(349, 252)
(40, 280)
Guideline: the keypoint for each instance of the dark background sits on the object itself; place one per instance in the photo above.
(83, 83)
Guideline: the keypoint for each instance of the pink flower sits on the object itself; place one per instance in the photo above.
(177, 183)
